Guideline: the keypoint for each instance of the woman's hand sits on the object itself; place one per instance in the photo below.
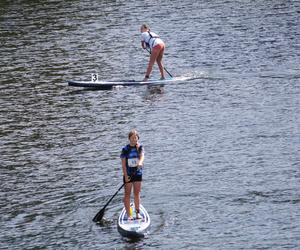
(139, 165)
(127, 179)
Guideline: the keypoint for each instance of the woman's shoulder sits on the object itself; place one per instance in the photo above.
(154, 34)
(125, 151)
(126, 147)
(141, 148)
(129, 148)
(145, 35)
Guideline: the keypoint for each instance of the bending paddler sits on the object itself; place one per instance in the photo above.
(157, 48)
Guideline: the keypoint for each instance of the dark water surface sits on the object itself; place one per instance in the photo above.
(222, 165)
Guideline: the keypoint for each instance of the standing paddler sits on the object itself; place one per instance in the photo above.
(132, 162)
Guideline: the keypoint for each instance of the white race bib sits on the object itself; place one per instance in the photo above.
(132, 162)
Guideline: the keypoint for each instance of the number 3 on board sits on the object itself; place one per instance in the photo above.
(94, 77)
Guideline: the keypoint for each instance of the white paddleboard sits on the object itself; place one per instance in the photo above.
(135, 228)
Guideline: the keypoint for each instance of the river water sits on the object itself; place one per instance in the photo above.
(222, 165)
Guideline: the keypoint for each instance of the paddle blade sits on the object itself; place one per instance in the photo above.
(98, 217)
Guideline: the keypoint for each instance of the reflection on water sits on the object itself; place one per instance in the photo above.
(154, 93)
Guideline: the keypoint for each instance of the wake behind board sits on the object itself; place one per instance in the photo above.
(105, 85)
(136, 228)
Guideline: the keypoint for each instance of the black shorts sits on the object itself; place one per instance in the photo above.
(134, 178)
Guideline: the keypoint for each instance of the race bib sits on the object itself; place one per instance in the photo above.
(132, 162)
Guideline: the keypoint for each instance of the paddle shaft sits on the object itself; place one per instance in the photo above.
(164, 67)
(114, 195)
(100, 214)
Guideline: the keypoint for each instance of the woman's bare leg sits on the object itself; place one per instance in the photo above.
(153, 58)
(128, 187)
(159, 62)
(137, 185)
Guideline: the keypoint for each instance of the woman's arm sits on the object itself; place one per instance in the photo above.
(143, 45)
(124, 169)
(141, 160)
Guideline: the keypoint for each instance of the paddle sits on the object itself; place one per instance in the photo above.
(164, 67)
(98, 217)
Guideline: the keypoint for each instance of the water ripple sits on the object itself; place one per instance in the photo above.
(222, 154)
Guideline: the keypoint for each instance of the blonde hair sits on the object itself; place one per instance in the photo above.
(146, 26)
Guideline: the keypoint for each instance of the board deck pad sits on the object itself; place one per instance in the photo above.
(136, 227)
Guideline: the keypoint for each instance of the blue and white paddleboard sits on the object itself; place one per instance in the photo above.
(136, 228)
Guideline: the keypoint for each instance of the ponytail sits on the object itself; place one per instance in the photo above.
(146, 26)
